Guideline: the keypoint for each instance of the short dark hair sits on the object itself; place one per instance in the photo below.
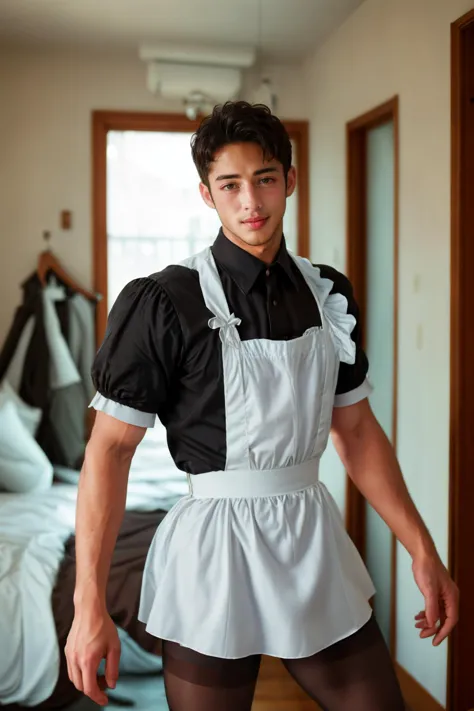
(240, 122)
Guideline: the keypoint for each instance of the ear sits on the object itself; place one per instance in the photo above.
(206, 195)
(291, 182)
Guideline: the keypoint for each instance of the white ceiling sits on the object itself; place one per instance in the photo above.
(291, 29)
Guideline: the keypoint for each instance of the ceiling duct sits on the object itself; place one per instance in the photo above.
(237, 57)
(198, 76)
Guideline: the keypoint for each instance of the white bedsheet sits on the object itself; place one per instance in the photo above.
(33, 531)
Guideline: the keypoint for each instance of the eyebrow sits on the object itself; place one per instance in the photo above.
(233, 176)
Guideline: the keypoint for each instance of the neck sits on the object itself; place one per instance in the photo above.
(265, 252)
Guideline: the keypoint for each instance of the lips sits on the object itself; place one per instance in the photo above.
(256, 222)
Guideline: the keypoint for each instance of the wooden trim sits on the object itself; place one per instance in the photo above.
(415, 695)
(396, 256)
(299, 132)
(356, 251)
(356, 248)
(104, 121)
(99, 221)
(375, 117)
(145, 121)
(461, 523)
(455, 335)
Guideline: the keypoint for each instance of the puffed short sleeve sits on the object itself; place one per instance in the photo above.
(353, 384)
(135, 364)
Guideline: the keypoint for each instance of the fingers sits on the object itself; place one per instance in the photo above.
(112, 666)
(83, 674)
(450, 615)
(428, 632)
(69, 667)
(420, 620)
(91, 682)
(73, 668)
(425, 629)
(431, 608)
(422, 624)
(75, 675)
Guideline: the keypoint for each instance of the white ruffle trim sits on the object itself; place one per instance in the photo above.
(340, 322)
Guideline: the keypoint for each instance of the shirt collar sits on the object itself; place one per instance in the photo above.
(243, 267)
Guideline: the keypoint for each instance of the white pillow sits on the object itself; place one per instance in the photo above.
(30, 416)
(24, 466)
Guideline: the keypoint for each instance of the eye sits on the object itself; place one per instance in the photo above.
(229, 186)
(267, 181)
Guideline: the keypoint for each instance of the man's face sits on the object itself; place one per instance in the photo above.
(249, 195)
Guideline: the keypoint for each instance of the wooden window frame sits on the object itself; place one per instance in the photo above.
(104, 121)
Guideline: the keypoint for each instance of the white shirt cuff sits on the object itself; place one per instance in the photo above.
(122, 412)
(354, 396)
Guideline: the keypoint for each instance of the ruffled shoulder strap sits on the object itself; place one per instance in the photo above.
(334, 309)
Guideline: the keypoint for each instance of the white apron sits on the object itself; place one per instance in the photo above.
(256, 559)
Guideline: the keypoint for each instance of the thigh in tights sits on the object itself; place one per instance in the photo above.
(355, 674)
(197, 682)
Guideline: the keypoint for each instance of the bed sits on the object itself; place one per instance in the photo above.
(37, 572)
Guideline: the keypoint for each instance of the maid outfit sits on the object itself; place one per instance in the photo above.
(243, 364)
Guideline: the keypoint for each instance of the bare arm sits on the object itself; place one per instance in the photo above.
(371, 463)
(101, 503)
(100, 508)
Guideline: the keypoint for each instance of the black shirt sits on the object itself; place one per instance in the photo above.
(160, 356)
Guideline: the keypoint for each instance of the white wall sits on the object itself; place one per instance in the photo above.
(46, 100)
(402, 47)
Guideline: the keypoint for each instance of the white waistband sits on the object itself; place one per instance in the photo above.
(250, 483)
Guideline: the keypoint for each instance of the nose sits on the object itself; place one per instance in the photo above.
(250, 198)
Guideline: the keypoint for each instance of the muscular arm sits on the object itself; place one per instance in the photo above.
(371, 463)
(100, 508)
(101, 502)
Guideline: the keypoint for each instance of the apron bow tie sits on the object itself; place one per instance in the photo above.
(227, 329)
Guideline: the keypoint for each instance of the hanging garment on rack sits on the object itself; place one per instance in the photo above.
(68, 402)
(62, 369)
(25, 351)
(37, 358)
(82, 339)
(14, 371)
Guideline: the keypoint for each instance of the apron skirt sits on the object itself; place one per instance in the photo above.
(255, 562)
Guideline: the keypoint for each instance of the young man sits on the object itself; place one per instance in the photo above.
(249, 357)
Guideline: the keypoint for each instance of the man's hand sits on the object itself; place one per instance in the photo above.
(93, 637)
(441, 598)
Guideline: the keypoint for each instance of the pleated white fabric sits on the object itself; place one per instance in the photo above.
(256, 560)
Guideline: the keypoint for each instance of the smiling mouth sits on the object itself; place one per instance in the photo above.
(256, 223)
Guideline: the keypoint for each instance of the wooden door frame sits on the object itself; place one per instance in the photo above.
(104, 121)
(461, 526)
(356, 144)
